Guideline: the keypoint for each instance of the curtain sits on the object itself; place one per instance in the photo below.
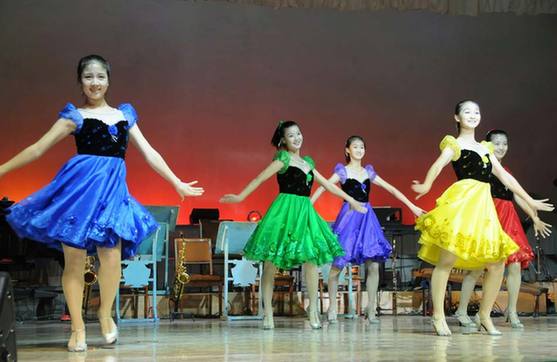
(450, 7)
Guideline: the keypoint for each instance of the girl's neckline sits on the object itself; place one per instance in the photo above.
(303, 162)
(484, 148)
(100, 110)
(117, 115)
(355, 179)
(302, 171)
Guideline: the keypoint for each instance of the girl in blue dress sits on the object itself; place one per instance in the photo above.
(87, 207)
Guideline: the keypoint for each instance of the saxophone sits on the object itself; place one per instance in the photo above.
(182, 277)
(90, 278)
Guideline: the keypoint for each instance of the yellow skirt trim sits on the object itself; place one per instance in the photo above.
(464, 223)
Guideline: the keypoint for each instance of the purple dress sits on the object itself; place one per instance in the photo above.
(360, 235)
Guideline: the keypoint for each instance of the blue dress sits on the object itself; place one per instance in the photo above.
(88, 204)
(360, 235)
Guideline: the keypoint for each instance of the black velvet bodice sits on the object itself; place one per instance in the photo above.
(471, 166)
(295, 181)
(99, 139)
(358, 190)
(498, 190)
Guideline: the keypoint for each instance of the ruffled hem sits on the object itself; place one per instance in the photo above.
(511, 224)
(465, 224)
(24, 222)
(292, 233)
(522, 257)
(86, 206)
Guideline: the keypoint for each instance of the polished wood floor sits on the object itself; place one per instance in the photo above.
(404, 338)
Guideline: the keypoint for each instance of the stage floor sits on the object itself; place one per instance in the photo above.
(402, 338)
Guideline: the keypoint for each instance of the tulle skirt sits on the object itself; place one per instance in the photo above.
(464, 223)
(86, 205)
(292, 233)
(511, 224)
(360, 236)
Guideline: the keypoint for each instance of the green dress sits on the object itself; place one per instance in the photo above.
(292, 232)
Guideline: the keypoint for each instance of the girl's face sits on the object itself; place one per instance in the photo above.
(292, 138)
(94, 81)
(356, 150)
(501, 145)
(469, 116)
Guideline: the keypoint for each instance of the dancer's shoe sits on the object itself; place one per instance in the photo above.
(487, 325)
(314, 319)
(332, 315)
(371, 318)
(111, 336)
(440, 327)
(464, 320)
(512, 318)
(268, 323)
(75, 344)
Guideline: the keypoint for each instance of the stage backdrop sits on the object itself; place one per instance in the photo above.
(210, 80)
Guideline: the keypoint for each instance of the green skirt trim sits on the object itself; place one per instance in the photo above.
(292, 233)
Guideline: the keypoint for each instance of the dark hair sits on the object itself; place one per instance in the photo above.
(495, 132)
(279, 132)
(349, 142)
(458, 108)
(85, 61)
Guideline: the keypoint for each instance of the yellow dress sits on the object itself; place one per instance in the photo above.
(464, 220)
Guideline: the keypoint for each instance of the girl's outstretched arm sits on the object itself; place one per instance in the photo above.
(269, 171)
(333, 179)
(540, 227)
(335, 190)
(423, 188)
(399, 195)
(508, 180)
(157, 163)
(59, 130)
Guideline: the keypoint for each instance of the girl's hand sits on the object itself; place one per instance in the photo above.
(541, 205)
(186, 189)
(417, 211)
(230, 199)
(420, 189)
(541, 228)
(355, 205)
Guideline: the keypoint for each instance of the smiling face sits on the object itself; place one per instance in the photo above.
(469, 115)
(356, 150)
(500, 145)
(94, 81)
(292, 138)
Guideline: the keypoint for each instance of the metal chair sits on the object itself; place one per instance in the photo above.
(140, 275)
(231, 239)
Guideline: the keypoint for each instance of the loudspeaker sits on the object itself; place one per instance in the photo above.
(203, 214)
(7, 319)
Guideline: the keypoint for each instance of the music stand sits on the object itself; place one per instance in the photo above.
(231, 239)
(395, 232)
